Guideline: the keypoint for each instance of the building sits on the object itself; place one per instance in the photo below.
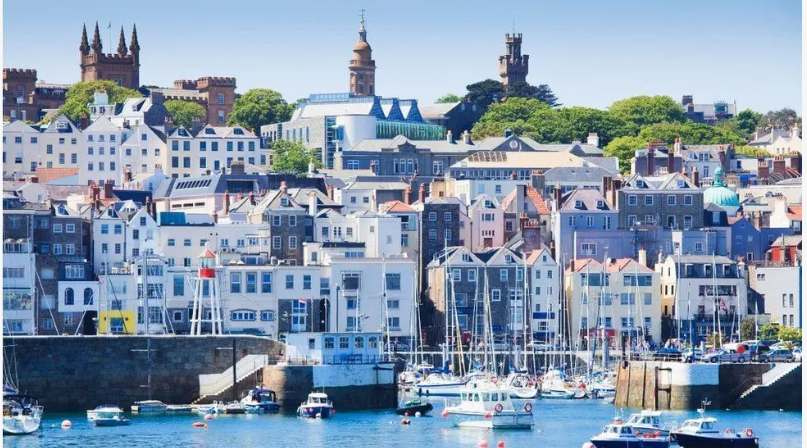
(62, 142)
(24, 98)
(779, 141)
(409, 219)
(671, 201)
(19, 287)
(365, 193)
(441, 226)
(785, 250)
(401, 156)
(577, 213)
(778, 288)
(20, 149)
(706, 294)
(513, 66)
(525, 206)
(752, 242)
(211, 149)
(457, 118)
(545, 289)
(786, 215)
(122, 67)
(362, 66)
(486, 224)
(708, 113)
(721, 196)
(215, 93)
(335, 348)
(615, 300)
(660, 159)
(99, 159)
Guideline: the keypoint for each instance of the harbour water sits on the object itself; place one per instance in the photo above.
(560, 423)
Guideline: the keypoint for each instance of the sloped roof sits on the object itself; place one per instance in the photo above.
(588, 198)
(518, 160)
(536, 254)
(616, 265)
(787, 241)
(437, 110)
(575, 174)
(396, 207)
(51, 174)
(794, 212)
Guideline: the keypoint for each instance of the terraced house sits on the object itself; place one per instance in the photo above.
(670, 201)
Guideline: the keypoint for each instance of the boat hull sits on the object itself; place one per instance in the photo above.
(715, 441)
(315, 411)
(524, 393)
(632, 443)
(501, 420)
(411, 410)
(439, 390)
(267, 408)
(20, 426)
(111, 422)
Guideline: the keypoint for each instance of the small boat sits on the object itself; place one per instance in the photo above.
(21, 414)
(149, 407)
(317, 406)
(413, 406)
(489, 406)
(523, 386)
(263, 400)
(234, 408)
(621, 435)
(440, 385)
(107, 415)
(702, 433)
(178, 408)
(648, 422)
(212, 408)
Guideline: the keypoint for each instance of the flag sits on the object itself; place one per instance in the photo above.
(109, 27)
(722, 304)
(303, 301)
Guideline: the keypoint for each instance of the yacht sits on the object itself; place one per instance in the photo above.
(648, 422)
(440, 385)
(264, 400)
(702, 433)
(234, 408)
(316, 406)
(621, 435)
(21, 414)
(522, 386)
(107, 415)
(149, 407)
(178, 408)
(489, 406)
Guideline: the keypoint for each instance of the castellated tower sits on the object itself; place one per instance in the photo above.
(122, 67)
(513, 66)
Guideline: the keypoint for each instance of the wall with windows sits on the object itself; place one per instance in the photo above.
(780, 289)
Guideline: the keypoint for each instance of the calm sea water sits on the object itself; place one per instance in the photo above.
(559, 423)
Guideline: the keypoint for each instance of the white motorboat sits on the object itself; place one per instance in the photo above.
(107, 415)
(212, 408)
(21, 414)
(522, 386)
(234, 408)
(440, 385)
(489, 406)
(149, 407)
(260, 400)
(621, 435)
(316, 406)
(555, 385)
(702, 432)
(178, 408)
(648, 422)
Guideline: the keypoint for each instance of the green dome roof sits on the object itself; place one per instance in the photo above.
(720, 195)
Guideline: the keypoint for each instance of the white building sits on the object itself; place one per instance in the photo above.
(779, 288)
(144, 151)
(380, 235)
(20, 149)
(334, 348)
(545, 296)
(61, 144)
(19, 287)
(213, 148)
(486, 224)
(101, 159)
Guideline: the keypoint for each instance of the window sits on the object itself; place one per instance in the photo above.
(393, 282)
(242, 315)
(290, 281)
(648, 200)
(88, 295)
(70, 249)
(179, 285)
(471, 275)
(57, 249)
(292, 220)
(57, 228)
(698, 247)
(235, 282)
(432, 234)
(306, 282)
(298, 315)
(632, 200)
(252, 282)
(503, 275)
(69, 297)
(495, 295)
(393, 323)
(221, 99)
(268, 315)
(448, 234)
(687, 222)
(277, 242)
(688, 199)
(447, 216)
(276, 220)
(670, 199)
(433, 216)
(187, 242)
(588, 248)
(292, 242)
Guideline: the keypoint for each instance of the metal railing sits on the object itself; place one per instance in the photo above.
(216, 383)
(342, 359)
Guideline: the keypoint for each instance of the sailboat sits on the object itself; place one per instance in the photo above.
(22, 414)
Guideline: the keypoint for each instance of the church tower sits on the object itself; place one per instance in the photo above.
(513, 66)
(362, 66)
(122, 67)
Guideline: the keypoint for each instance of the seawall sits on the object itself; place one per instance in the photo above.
(76, 373)
(680, 386)
(349, 386)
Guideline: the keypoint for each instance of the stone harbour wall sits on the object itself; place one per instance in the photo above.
(76, 373)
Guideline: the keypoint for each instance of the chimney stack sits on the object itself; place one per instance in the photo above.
(763, 171)
(226, 202)
(407, 195)
(127, 174)
(616, 185)
(724, 163)
(283, 188)
(252, 198)
(593, 139)
(449, 137)
(606, 182)
(215, 217)
(108, 184)
(758, 219)
(422, 193)
(557, 196)
(795, 161)
(677, 146)
(779, 165)
(696, 177)
(466, 137)
(168, 125)
(671, 161)
(33, 179)
(651, 159)
(538, 181)
(571, 264)
(330, 191)
(84, 122)
(643, 257)
(312, 203)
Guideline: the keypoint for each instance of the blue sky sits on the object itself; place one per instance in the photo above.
(590, 52)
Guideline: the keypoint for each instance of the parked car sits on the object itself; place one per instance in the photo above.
(721, 355)
(778, 355)
(690, 355)
(797, 354)
(667, 354)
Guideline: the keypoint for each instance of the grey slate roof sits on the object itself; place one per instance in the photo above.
(576, 174)
(588, 198)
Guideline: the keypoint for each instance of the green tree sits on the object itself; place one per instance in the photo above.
(292, 157)
(624, 148)
(690, 134)
(522, 89)
(512, 114)
(646, 110)
(184, 112)
(448, 98)
(258, 107)
(751, 151)
(780, 119)
(747, 121)
(769, 331)
(568, 124)
(748, 329)
(789, 335)
(485, 93)
(81, 94)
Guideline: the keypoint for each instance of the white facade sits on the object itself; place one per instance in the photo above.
(213, 148)
(780, 288)
(334, 348)
(20, 149)
(143, 151)
(468, 189)
(18, 287)
(62, 145)
(355, 128)
(544, 296)
(101, 157)
(381, 234)
(486, 224)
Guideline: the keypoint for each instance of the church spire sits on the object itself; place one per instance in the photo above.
(85, 45)
(96, 40)
(362, 29)
(134, 46)
(121, 43)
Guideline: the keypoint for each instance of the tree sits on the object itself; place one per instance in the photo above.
(258, 107)
(448, 98)
(751, 151)
(624, 148)
(184, 112)
(485, 93)
(780, 119)
(81, 94)
(523, 89)
(512, 114)
(568, 124)
(292, 157)
(789, 335)
(646, 110)
(748, 329)
(747, 121)
(690, 134)
(768, 331)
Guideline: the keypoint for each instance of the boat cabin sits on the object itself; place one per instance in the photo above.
(700, 426)
(317, 398)
(619, 430)
(646, 419)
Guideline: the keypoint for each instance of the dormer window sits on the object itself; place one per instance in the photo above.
(681, 183)
(182, 133)
(238, 131)
(284, 202)
(578, 204)
(210, 131)
(640, 183)
(600, 204)
(508, 258)
(466, 258)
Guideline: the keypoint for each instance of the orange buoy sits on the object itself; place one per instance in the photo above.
(500, 444)
(483, 444)
(199, 425)
(444, 414)
(208, 416)
(488, 415)
(67, 424)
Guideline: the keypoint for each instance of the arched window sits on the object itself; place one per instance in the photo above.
(88, 296)
(69, 297)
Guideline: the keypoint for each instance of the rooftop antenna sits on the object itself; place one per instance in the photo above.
(514, 24)
(362, 18)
